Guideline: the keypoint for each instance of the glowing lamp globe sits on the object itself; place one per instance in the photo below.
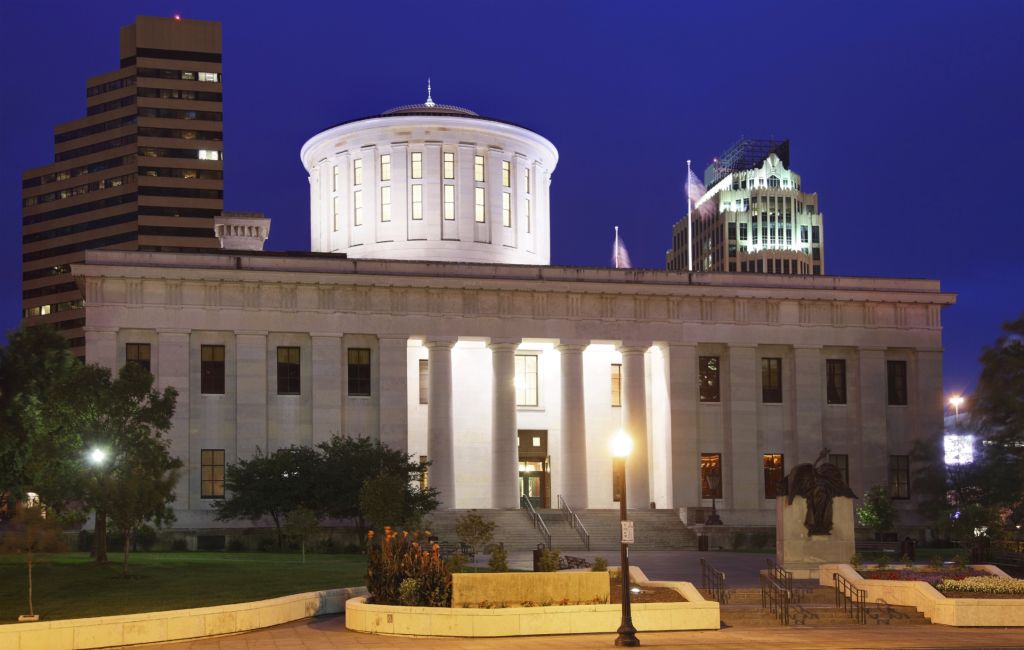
(622, 445)
(97, 456)
(956, 401)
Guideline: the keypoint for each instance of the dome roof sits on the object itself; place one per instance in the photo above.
(429, 108)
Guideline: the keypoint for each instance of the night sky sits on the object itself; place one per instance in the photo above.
(905, 117)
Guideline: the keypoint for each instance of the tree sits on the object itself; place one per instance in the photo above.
(141, 490)
(31, 532)
(474, 531)
(383, 501)
(877, 511)
(301, 524)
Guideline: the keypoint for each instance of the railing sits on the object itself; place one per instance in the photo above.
(712, 581)
(785, 578)
(574, 521)
(850, 598)
(538, 521)
(775, 596)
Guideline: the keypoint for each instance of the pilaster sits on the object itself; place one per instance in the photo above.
(327, 369)
(440, 446)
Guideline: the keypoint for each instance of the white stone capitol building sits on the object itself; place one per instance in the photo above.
(428, 317)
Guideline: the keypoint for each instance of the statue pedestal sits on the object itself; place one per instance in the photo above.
(801, 553)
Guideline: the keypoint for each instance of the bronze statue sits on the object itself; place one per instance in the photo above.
(819, 483)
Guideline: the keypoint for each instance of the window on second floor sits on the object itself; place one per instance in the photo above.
(616, 384)
(711, 476)
(137, 353)
(899, 477)
(478, 169)
(448, 165)
(416, 165)
(506, 173)
(527, 380)
(385, 167)
(211, 379)
(896, 382)
(478, 205)
(835, 371)
(359, 372)
(708, 376)
(288, 371)
(771, 380)
(506, 209)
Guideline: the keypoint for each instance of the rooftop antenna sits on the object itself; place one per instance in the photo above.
(430, 101)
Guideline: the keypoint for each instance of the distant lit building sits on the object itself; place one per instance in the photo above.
(753, 218)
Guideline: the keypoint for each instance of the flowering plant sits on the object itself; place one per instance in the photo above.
(984, 584)
(929, 575)
(403, 571)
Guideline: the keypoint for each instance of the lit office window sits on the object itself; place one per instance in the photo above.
(417, 202)
(448, 165)
(213, 77)
(527, 392)
(357, 172)
(478, 204)
(416, 165)
(616, 384)
(774, 470)
(449, 202)
(385, 203)
(478, 169)
(506, 173)
(506, 209)
(209, 154)
(385, 167)
(357, 208)
(424, 368)
(707, 375)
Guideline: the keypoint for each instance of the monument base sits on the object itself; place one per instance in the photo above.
(802, 553)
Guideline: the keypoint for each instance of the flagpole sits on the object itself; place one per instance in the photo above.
(689, 221)
(616, 247)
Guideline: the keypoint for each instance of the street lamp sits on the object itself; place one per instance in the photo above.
(621, 445)
(97, 456)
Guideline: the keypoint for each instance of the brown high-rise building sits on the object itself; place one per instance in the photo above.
(143, 169)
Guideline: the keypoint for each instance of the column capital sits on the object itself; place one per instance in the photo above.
(173, 330)
(440, 341)
(504, 343)
(634, 347)
(572, 344)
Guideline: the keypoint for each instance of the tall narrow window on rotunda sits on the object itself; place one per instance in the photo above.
(478, 205)
(506, 209)
(506, 173)
(416, 165)
(357, 171)
(417, 202)
(385, 203)
(385, 167)
(357, 208)
(449, 202)
(478, 169)
(448, 165)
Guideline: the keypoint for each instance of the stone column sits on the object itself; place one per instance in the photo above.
(574, 427)
(394, 389)
(251, 390)
(504, 431)
(327, 369)
(809, 381)
(172, 367)
(740, 457)
(440, 445)
(683, 400)
(634, 420)
(873, 456)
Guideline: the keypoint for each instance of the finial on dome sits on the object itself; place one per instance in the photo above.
(430, 101)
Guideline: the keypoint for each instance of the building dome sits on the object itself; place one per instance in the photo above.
(431, 182)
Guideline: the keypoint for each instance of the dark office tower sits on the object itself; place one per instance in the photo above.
(142, 170)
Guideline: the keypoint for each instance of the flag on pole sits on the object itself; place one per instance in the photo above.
(620, 257)
(694, 188)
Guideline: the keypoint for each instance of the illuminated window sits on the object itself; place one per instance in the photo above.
(385, 203)
(527, 392)
(337, 212)
(449, 202)
(506, 209)
(416, 165)
(527, 215)
(478, 204)
(357, 208)
(616, 384)
(336, 182)
(707, 375)
(478, 169)
(209, 154)
(209, 76)
(424, 380)
(711, 476)
(288, 367)
(896, 372)
(773, 181)
(357, 172)
(359, 372)
(835, 372)
(771, 380)
(773, 473)
(211, 379)
(448, 165)
(526, 181)
(385, 167)
(425, 476)
(417, 202)
(899, 477)
(842, 463)
(506, 173)
(212, 471)
(137, 353)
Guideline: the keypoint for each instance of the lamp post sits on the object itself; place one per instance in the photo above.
(955, 402)
(98, 457)
(622, 444)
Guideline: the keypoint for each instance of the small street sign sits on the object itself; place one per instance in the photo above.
(627, 532)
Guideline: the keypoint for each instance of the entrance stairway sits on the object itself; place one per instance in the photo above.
(816, 607)
(654, 530)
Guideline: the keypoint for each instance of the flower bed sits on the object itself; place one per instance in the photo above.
(924, 574)
(982, 587)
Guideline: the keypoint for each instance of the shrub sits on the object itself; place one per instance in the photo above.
(394, 558)
(145, 537)
(548, 560)
(856, 560)
(456, 563)
(935, 561)
(600, 564)
(739, 540)
(499, 559)
(959, 560)
(236, 545)
(760, 539)
(474, 531)
(882, 561)
(984, 584)
(877, 511)
(179, 545)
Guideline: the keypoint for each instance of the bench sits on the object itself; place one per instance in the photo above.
(878, 547)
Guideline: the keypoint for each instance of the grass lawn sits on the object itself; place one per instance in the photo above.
(68, 585)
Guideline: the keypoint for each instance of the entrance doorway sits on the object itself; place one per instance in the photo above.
(534, 468)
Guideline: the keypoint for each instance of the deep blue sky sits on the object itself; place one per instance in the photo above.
(905, 117)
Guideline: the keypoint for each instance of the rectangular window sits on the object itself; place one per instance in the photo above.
(707, 375)
(478, 169)
(478, 205)
(506, 173)
(771, 380)
(449, 202)
(385, 203)
(417, 202)
(899, 477)
(616, 384)
(448, 165)
(527, 215)
(842, 463)
(337, 212)
(424, 369)
(336, 179)
(711, 476)
(385, 167)
(137, 353)
(774, 470)
(212, 471)
(527, 392)
(743, 231)
(506, 209)
(211, 380)
(209, 76)
(815, 234)
(896, 372)
(209, 154)
(357, 171)
(359, 372)
(416, 165)
(425, 476)
(288, 381)
(835, 370)
(527, 184)
(357, 208)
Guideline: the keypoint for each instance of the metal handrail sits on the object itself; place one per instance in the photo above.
(850, 598)
(713, 582)
(775, 596)
(538, 521)
(782, 576)
(574, 521)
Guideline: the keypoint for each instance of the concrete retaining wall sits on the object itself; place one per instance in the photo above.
(174, 625)
(471, 589)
